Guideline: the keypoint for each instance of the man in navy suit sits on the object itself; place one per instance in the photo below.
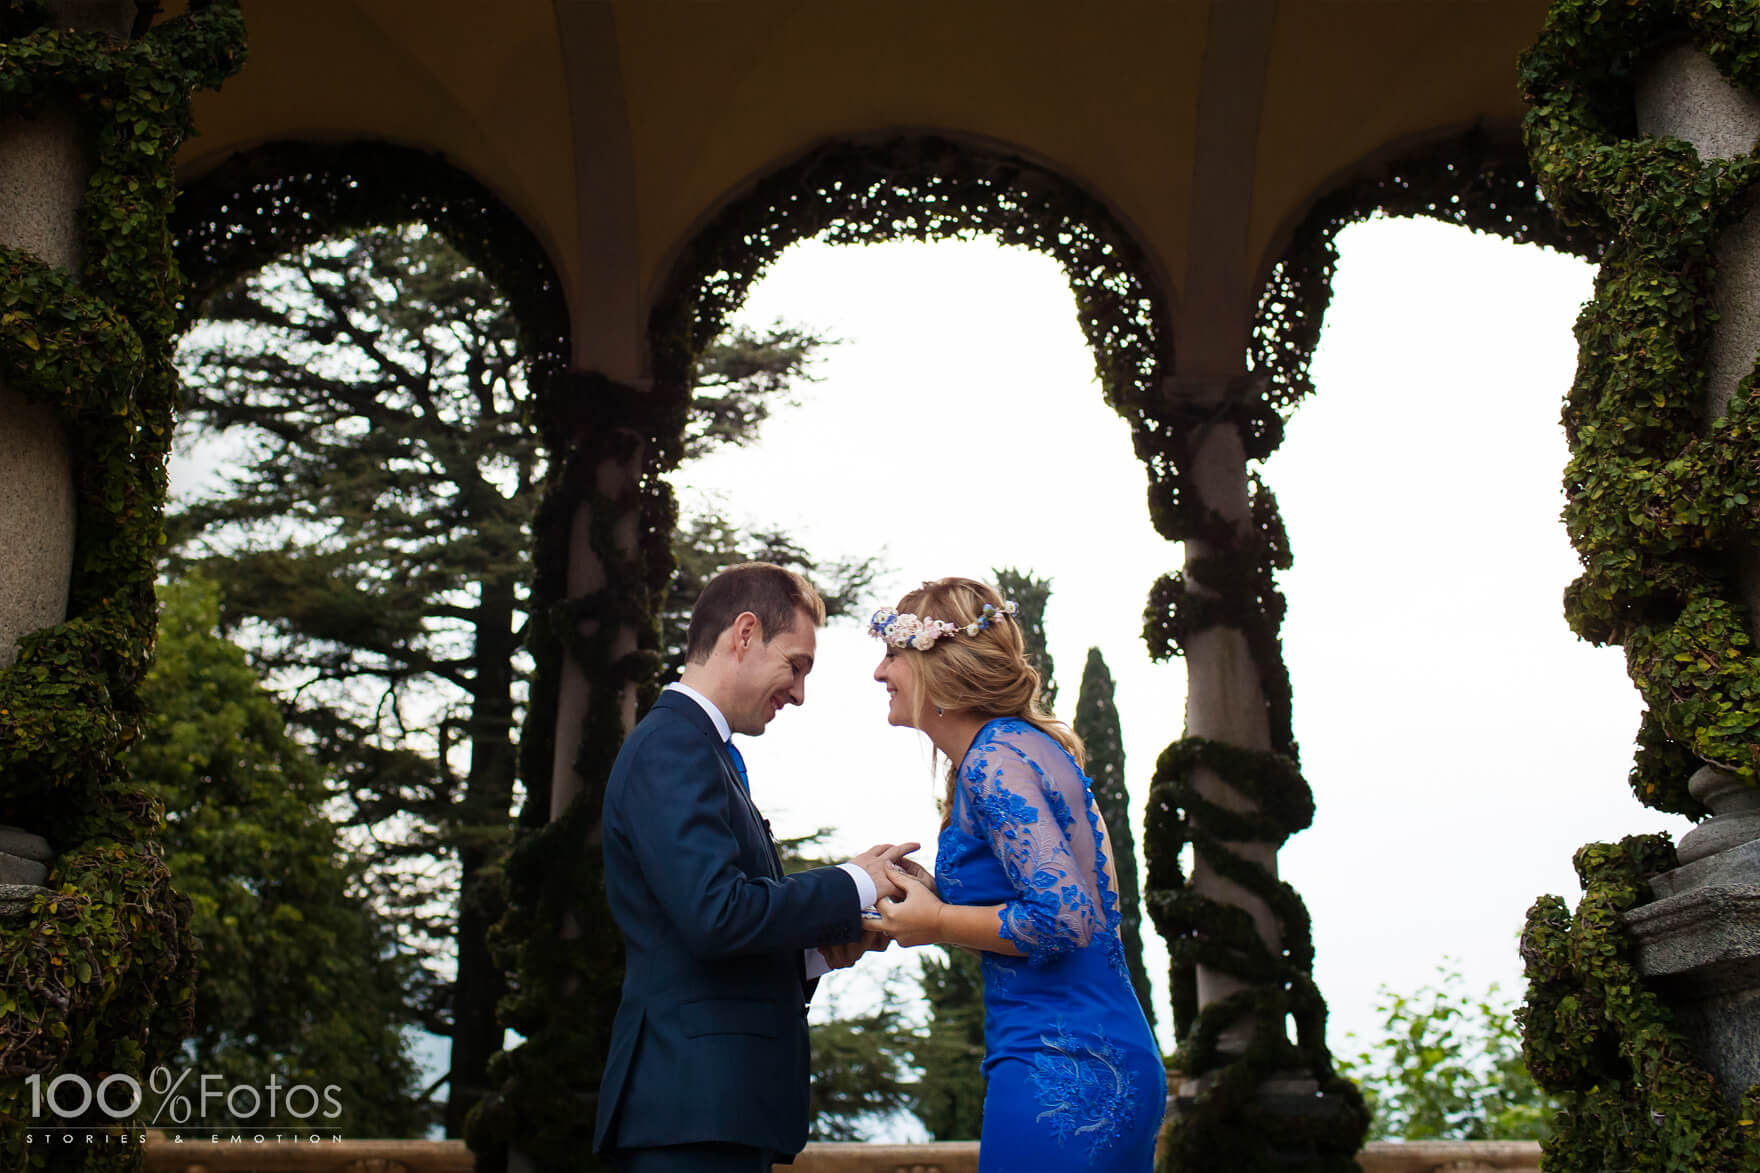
(707, 1070)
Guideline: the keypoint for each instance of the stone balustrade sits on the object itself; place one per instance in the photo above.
(203, 1155)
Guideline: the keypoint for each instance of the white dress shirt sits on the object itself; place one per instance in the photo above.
(865, 890)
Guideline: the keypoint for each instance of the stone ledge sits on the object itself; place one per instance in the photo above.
(1738, 867)
(163, 1155)
(16, 869)
(1708, 938)
(18, 841)
(16, 898)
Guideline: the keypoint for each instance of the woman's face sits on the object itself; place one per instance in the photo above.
(901, 686)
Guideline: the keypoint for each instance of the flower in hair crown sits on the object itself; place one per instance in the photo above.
(904, 630)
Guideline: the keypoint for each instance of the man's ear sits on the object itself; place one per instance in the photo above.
(744, 629)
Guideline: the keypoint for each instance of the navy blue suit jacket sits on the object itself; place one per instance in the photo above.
(710, 1040)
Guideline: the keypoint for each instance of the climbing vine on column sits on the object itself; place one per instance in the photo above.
(1469, 181)
(1658, 504)
(99, 972)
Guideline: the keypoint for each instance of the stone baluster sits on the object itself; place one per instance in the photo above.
(1699, 941)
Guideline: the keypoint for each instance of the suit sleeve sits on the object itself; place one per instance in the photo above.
(676, 819)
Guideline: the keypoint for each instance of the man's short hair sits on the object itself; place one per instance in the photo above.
(772, 593)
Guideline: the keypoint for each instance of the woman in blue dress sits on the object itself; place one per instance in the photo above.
(1023, 875)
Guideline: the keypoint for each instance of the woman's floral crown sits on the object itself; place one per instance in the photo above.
(909, 631)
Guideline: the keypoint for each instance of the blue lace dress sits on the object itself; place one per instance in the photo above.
(1075, 1077)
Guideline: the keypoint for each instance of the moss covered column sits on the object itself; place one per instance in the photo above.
(603, 559)
(99, 964)
(1699, 942)
(1643, 1009)
(1225, 701)
(1252, 1083)
(44, 164)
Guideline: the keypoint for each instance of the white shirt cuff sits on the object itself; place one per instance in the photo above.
(865, 890)
(817, 966)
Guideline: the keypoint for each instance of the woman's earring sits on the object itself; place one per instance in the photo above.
(938, 710)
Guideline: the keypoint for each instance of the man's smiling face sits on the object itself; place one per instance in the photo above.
(773, 673)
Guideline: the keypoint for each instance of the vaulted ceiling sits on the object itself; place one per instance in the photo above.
(614, 128)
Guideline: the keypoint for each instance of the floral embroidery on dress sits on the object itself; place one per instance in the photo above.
(1057, 910)
(1087, 1088)
(999, 971)
(946, 882)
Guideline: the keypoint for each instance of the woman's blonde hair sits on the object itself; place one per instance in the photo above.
(987, 673)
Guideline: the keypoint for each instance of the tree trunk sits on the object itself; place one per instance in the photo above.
(488, 799)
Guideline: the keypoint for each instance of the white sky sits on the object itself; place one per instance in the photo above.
(1461, 742)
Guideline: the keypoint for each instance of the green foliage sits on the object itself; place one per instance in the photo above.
(375, 540)
(100, 972)
(1657, 503)
(860, 1069)
(1448, 1066)
(1032, 594)
(1595, 1035)
(1659, 506)
(297, 978)
(948, 1097)
(741, 377)
(1096, 723)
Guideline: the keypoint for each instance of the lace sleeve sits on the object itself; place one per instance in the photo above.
(1021, 810)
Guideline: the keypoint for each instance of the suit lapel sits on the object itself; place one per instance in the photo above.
(693, 712)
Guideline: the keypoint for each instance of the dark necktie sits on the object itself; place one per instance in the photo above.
(739, 764)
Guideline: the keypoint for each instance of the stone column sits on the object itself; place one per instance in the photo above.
(44, 165)
(1226, 702)
(43, 169)
(1224, 699)
(1699, 941)
(613, 479)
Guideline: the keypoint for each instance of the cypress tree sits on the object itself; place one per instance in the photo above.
(1031, 594)
(1096, 723)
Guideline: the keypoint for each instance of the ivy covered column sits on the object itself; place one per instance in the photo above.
(99, 964)
(44, 164)
(1253, 1085)
(1225, 698)
(1700, 941)
(1644, 1006)
(603, 560)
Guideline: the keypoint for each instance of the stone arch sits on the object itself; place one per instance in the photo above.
(277, 199)
(1471, 179)
(921, 186)
(272, 199)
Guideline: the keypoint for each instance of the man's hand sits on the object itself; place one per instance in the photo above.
(914, 916)
(874, 861)
(844, 956)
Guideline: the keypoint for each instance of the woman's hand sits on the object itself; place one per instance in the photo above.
(912, 868)
(915, 917)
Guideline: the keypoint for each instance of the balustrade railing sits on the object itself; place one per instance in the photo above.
(248, 1155)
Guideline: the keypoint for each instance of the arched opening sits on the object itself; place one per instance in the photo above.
(957, 429)
(382, 331)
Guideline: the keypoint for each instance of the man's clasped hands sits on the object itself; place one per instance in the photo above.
(905, 910)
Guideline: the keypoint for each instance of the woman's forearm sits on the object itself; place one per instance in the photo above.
(975, 926)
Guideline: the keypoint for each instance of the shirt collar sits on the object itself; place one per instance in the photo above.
(708, 706)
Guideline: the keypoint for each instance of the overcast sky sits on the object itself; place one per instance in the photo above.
(1461, 742)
